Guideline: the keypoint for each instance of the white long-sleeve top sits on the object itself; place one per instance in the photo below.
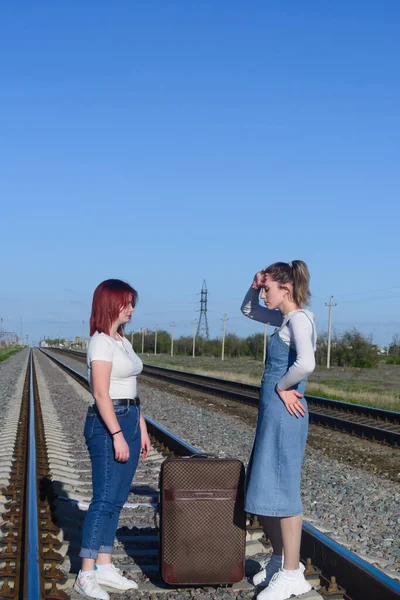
(296, 329)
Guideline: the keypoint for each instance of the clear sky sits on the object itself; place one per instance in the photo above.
(167, 142)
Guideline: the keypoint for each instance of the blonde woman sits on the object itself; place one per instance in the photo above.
(274, 471)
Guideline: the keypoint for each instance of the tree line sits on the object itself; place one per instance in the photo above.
(348, 349)
(235, 346)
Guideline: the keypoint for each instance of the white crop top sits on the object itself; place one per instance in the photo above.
(126, 364)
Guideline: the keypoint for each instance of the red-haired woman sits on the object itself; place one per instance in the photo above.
(115, 433)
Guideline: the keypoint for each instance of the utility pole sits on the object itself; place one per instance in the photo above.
(328, 357)
(172, 338)
(132, 339)
(155, 341)
(223, 337)
(265, 343)
(143, 330)
(194, 337)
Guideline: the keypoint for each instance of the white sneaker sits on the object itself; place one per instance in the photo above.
(112, 578)
(87, 586)
(263, 577)
(282, 587)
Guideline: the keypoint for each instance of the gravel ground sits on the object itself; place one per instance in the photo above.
(10, 371)
(355, 507)
(352, 504)
(71, 401)
(12, 379)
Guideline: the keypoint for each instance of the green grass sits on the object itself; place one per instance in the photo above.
(7, 352)
(378, 387)
(377, 399)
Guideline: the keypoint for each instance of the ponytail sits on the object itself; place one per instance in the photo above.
(301, 283)
(296, 273)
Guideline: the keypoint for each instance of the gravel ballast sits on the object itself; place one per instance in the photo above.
(12, 372)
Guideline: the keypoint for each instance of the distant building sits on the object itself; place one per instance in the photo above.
(82, 342)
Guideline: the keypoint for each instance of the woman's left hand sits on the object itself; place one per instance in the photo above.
(291, 399)
(145, 444)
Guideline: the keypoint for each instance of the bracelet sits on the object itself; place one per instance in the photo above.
(115, 432)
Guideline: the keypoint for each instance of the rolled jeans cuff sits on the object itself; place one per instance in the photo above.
(88, 553)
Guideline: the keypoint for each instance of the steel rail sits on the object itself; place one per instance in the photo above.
(254, 390)
(374, 430)
(32, 580)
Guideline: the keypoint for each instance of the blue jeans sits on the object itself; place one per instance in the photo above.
(111, 479)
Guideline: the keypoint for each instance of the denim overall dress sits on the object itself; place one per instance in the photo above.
(274, 469)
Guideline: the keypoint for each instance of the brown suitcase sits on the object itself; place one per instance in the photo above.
(203, 523)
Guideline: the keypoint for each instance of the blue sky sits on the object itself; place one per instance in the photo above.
(169, 142)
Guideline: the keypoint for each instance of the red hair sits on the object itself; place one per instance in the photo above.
(109, 298)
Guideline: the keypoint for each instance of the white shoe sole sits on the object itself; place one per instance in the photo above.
(298, 595)
(109, 587)
(309, 590)
(80, 591)
(262, 582)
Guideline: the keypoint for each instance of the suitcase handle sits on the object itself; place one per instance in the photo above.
(201, 455)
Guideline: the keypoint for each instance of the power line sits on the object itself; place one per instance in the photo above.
(361, 292)
(370, 291)
(373, 298)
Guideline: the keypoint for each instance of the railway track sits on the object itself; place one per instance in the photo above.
(364, 421)
(48, 489)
